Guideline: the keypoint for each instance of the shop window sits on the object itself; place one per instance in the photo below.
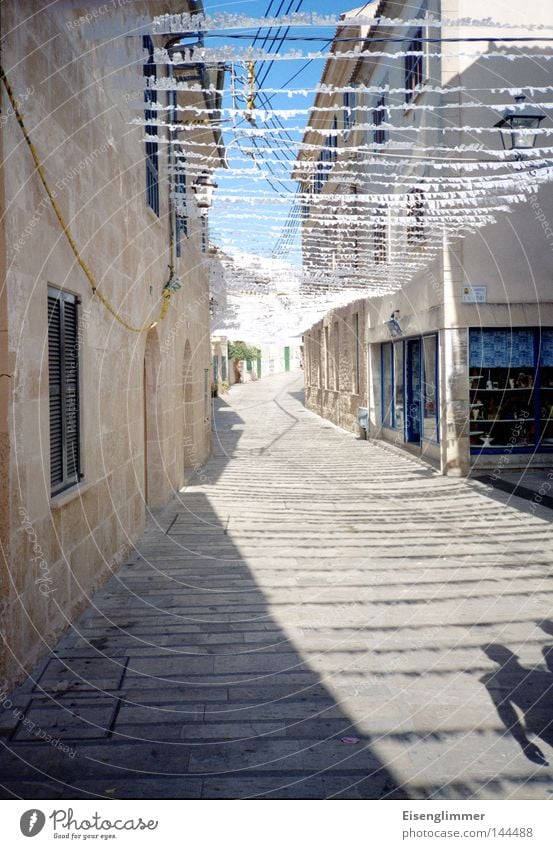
(505, 391)
(545, 378)
(387, 383)
(215, 368)
(398, 386)
(430, 387)
(63, 377)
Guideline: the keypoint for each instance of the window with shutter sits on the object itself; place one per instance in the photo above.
(152, 146)
(63, 374)
(414, 62)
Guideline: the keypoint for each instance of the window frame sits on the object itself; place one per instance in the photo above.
(379, 114)
(349, 100)
(398, 372)
(424, 382)
(380, 238)
(67, 480)
(178, 181)
(387, 417)
(152, 147)
(537, 421)
(414, 61)
(415, 217)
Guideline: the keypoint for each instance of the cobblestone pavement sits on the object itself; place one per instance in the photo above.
(314, 616)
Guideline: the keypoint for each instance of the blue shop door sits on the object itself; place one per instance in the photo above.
(413, 394)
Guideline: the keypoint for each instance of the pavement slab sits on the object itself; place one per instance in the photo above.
(312, 617)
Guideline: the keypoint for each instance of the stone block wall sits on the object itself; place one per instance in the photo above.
(335, 365)
(145, 418)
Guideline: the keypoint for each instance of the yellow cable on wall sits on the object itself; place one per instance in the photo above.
(88, 273)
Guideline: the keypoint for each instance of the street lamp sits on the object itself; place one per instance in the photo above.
(519, 117)
(203, 188)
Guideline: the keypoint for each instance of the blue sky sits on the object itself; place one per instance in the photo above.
(239, 226)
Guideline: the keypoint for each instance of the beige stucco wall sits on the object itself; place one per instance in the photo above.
(78, 116)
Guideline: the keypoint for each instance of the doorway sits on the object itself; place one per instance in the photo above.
(153, 466)
(413, 393)
(188, 443)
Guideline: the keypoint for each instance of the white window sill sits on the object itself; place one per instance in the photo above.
(75, 491)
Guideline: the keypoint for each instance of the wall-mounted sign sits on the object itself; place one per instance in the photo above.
(475, 294)
(393, 325)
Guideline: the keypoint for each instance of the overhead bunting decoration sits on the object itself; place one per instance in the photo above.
(349, 154)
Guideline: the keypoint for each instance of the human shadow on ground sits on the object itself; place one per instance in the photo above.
(514, 687)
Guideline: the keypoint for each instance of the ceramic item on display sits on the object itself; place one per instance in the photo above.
(486, 441)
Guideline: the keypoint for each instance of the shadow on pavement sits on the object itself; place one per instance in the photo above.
(178, 683)
(513, 686)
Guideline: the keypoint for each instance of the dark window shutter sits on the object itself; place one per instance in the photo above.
(63, 370)
(71, 385)
(54, 375)
(152, 149)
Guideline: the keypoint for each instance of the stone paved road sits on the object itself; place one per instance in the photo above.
(314, 616)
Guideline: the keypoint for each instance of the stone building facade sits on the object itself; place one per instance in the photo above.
(98, 421)
(335, 365)
(459, 327)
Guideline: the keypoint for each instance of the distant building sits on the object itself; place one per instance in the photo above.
(458, 354)
(105, 395)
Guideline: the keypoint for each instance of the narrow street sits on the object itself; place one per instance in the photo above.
(312, 617)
